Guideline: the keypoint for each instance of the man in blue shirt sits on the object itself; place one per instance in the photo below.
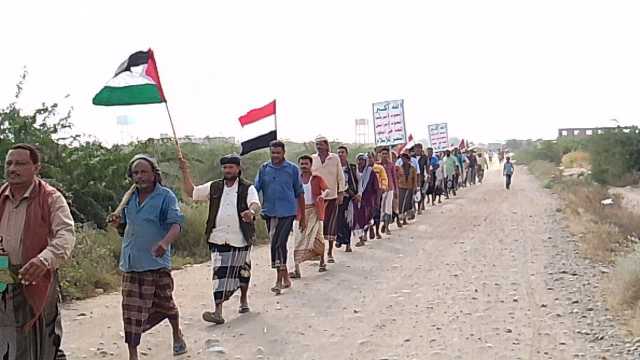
(508, 171)
(282, 194)
(150, 221)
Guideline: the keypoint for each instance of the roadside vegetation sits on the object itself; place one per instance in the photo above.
(93, 178)
(608, 232)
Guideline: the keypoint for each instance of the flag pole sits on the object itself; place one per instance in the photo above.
(275, 117)
(173, 128)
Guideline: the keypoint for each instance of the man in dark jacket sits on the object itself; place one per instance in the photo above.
(230, 231)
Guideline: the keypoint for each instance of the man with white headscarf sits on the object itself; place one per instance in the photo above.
(366, 199)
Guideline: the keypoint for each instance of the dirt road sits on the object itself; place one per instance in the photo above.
(487, 275)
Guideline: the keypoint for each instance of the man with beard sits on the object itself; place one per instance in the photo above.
(36, 236)
(230, 231)
(327, 165)
(150, 222)
(282, 195)
(345, 210)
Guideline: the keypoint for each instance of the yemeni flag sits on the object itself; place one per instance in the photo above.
(258, 128)
(135, 82)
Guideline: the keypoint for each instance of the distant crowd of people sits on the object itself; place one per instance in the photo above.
(324, 200)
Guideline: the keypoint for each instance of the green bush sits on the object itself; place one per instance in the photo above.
(95, 259)
(615, 157)
(93, 264)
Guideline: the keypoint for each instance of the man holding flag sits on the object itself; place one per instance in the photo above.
(148, 217)
(230, 231)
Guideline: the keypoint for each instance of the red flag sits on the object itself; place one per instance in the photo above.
(258, 128)
(462, 145)
(408, 145)
(258, 114)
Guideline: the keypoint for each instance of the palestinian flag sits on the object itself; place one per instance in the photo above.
(258, 128)
(135, 82)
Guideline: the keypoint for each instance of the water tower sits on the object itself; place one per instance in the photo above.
(124, 122)
(362, 131)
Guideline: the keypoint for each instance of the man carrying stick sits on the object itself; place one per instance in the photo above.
(150, 221)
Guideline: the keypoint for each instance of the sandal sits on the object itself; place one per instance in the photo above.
(295, 275)
(212, 317)
(348, 250)
(323, 268)
(331, 260)
(360, 243)
(276, 290)
(179, 347)
(244, 309)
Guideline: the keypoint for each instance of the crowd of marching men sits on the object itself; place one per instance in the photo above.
(326, 201)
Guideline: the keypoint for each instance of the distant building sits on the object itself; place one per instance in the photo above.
(584, 132)
(189, 139)
(362, 131)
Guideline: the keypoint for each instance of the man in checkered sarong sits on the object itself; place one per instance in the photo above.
(149, 220)
(230, 231)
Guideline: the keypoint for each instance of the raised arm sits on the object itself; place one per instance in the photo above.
(187, 180)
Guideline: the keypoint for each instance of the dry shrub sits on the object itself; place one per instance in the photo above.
(624, 290)
(628, 179)
(602, 241)
(603, 230)
(544, 170)
(582, 194)
(577, 159)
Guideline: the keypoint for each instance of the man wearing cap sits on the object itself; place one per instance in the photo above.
(149, 222)
(230, 231)
(328, 166)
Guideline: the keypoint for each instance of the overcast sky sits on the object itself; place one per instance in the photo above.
(491, 69)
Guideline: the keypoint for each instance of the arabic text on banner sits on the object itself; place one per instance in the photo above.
(388, 123)
(439, 136)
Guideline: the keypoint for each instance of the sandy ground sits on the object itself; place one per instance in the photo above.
(487, 275)
(630, 197)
